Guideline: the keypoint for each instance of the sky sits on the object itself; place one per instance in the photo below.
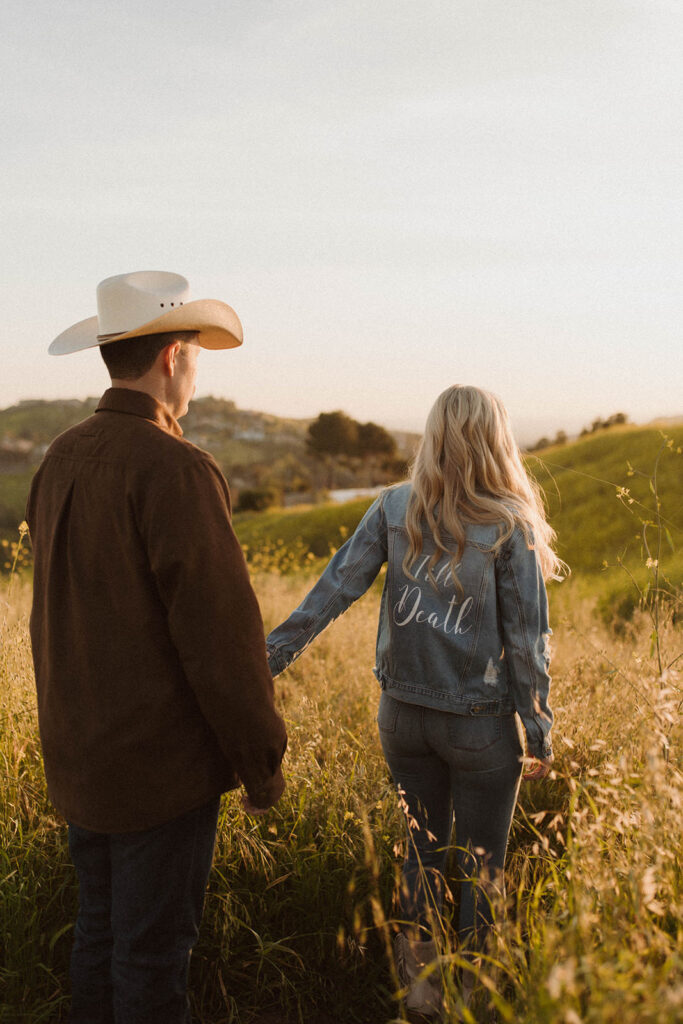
(394, 197)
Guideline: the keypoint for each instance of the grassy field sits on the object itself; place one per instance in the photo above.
(599, 492)
(301, 904)
(606, 495)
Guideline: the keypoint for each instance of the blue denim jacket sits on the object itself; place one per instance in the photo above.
(483, 651)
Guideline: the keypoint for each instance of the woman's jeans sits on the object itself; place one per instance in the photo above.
(446, 765)
(141, 896)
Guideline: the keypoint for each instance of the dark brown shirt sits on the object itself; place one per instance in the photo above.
(154, 693)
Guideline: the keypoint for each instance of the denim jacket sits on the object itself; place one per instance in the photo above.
(479, 651)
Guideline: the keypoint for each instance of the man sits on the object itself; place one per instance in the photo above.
(154, 694)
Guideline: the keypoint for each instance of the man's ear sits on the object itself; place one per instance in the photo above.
(169, 356)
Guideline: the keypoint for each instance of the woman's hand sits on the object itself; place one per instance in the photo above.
(536, 768)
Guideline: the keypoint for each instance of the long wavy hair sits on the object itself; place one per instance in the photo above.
(468, 469)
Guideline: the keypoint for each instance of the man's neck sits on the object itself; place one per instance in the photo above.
(149, 385)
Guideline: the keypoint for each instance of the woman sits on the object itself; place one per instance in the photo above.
(462, 645)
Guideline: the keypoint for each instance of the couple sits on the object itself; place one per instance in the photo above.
(154, 682)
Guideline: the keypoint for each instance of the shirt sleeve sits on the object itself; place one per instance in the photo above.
(215, 621)
(523, 606)
(347, 577)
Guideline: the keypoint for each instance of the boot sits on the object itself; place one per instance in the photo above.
(412, 957)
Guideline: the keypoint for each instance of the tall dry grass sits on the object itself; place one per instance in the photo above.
(301, 903)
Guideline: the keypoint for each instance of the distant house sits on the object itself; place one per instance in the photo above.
(250, 434)
(15, 454)
(16, 445)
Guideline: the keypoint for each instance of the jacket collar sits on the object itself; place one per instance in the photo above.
(139, 403)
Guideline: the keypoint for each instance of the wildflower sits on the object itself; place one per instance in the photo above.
(648, 891)
(562, 978)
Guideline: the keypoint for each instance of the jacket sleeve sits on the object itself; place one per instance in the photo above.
(523, 607)
(346, 578)
(215, 622)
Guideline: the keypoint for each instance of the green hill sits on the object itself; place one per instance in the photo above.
(254, 450)
(599, 491)
(39, 421)
(582, 482)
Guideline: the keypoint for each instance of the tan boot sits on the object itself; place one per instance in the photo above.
(424, 988)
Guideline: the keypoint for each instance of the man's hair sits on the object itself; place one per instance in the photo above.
(131, 358)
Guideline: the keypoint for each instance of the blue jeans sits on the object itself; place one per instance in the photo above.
(141, 896)
(446, 765)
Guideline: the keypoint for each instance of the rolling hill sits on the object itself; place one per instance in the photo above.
(600, 492)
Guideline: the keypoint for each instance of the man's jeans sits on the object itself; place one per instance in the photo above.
(140, 903)
(445, 764)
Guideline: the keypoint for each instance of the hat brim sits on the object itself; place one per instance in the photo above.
(217, 323)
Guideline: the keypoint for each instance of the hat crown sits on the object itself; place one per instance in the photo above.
(127, 301)
(150, 302)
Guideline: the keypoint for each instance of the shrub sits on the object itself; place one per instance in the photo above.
(257, 499)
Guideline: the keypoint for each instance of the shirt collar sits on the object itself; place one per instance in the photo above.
(139, 403)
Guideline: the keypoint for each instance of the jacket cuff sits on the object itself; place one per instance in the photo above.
(276, 661)
(269, 793)
(543, 751)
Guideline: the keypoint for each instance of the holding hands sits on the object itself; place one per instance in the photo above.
(536, 768)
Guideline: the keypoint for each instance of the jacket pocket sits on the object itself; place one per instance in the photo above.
(387, 714)
(471, 732)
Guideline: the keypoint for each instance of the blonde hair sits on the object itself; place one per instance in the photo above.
(468, 469)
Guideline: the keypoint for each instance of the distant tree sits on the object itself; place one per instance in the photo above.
(543, 442)
(560, 437)
(397, 467)
(616, 419)
(333, 433)
(375, 440)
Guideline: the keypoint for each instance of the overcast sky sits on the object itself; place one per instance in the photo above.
(394, 196)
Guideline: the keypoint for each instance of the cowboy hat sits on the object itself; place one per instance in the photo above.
(150, 302)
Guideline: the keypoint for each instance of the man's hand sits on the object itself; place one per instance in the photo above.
(259, 802)
(250, 808)
(536, 768)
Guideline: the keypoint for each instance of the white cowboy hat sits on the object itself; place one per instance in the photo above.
(150, 302)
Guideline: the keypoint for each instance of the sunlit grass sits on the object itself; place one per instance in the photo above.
(300, 903)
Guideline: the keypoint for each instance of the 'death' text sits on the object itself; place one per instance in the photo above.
(413, 606)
